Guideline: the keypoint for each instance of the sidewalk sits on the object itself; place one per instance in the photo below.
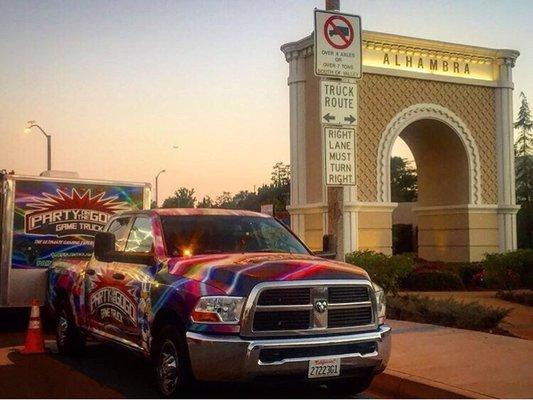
(430, 360)
(518, 322)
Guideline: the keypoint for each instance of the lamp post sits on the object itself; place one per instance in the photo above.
(32, 124)
(157, 188)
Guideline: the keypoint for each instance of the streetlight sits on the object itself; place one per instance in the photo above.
(156, 187)
(31, 124)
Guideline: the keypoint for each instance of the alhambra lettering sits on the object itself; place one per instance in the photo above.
(430, 64)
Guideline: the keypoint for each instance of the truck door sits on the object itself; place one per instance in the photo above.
(105, 294)
(137, 279)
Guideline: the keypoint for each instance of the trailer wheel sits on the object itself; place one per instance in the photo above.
(70, 340)
(172, 366)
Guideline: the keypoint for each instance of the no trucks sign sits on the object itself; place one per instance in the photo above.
(337, 45)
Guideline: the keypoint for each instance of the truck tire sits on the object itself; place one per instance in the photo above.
(351, 386)
(69, 339)
(172, 366)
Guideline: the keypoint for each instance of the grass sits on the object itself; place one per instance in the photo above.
(525, 298)
(450, 312)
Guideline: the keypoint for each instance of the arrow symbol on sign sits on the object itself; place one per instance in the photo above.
(328, 117)
(350, 119)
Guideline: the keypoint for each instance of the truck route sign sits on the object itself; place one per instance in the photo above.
(339, 156)
(337, 45)
(338, 103)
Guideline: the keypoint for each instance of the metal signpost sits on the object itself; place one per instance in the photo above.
(338, 62)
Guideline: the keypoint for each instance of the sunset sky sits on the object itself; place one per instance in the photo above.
(118, 83)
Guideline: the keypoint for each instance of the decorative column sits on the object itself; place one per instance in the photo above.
(295, 56)
(507, 207)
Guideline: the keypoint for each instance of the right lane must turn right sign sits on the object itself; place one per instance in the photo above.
(337, 45)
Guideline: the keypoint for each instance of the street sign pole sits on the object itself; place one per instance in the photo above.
(336, 193)
(338, 56)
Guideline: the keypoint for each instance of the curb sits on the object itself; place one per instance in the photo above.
(398, 384)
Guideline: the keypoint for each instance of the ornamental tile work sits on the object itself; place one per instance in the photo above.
(382, 97)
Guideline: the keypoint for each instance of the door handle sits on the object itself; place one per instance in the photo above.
(118, 276)
(90, 271)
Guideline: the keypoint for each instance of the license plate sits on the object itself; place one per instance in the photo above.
(324, 367)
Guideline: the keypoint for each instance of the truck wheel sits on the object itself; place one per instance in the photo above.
(70, 341)
(351, 386)
(172, 365)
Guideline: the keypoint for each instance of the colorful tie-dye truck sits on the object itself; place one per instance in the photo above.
(47, 218)
(221, 295)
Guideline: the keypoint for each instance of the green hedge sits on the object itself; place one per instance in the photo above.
(433, 280)
(386, 271)
(511, 270)
(448, 312)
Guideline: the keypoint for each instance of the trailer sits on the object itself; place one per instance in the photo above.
(45, 218)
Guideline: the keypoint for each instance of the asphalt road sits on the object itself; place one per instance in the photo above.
(106, 371)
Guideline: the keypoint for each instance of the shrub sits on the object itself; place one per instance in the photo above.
(511, 270)
(472, 274)
(433, 280)
(520, 298)
(386, 271)
(448, 312)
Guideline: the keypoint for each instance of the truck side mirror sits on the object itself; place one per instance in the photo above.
(329, 247)
(104, 244)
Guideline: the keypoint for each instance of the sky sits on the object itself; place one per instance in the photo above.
(118, 84)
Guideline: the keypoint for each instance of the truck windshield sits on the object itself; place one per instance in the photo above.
(211, 234)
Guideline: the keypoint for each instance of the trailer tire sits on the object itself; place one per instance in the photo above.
(172, 365)
(69, 339)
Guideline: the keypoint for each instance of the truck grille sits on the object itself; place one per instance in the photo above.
(286, 308)
(349, 317)
(348, 294)
(285, 296)
(282, 320)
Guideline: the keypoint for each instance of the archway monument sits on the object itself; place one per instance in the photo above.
(421, 89)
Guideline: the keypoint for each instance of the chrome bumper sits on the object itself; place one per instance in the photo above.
(231, 358)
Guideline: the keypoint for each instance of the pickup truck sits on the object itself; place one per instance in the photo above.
(221, 295)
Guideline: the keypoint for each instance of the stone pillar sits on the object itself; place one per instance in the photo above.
(505, 152)
(297, 92)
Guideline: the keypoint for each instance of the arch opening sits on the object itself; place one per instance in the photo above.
(435, 223)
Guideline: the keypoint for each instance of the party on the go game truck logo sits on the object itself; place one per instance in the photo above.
(70, 212)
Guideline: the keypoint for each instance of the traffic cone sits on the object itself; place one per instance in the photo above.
(34, 338)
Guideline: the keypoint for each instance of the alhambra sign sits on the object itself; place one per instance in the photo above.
(427, 63)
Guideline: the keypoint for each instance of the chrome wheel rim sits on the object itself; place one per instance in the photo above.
(62, 327)
(167, 369)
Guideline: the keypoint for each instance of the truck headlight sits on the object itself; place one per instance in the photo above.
(218, 310)
(380, 303)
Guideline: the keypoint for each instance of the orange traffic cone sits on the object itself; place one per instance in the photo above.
(34, 338)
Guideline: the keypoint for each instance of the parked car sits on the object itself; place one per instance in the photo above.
(222, 295)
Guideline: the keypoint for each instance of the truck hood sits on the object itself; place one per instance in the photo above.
(237, 274)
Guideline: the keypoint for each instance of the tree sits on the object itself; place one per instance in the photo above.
(207, 202)
(182, 198)
(524, 154)
(225, 200)
(281, 174)
(403, 180)
(524, 174)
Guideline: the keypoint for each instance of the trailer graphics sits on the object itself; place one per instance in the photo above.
(57, 219)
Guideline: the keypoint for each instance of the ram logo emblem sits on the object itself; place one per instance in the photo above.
(321, 305)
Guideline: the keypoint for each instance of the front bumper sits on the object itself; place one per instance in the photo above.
(231, 358)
